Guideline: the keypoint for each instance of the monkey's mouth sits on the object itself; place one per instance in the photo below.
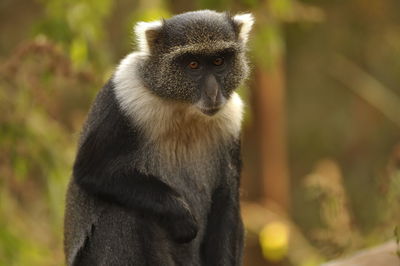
(210, 111)
(209, 108)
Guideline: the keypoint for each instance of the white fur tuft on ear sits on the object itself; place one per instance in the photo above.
(140, 31)
(245, 22)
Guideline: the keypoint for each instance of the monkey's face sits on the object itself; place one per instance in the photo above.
(207, 75)
(205, 80)
(197, 58)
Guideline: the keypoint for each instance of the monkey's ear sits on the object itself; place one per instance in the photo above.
(243, 24)
(147, 34)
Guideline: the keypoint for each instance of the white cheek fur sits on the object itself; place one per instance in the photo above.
(178, 129)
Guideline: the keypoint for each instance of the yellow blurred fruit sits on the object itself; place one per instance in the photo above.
(274, 241)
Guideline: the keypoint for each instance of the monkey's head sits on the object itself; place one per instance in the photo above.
(197, 58)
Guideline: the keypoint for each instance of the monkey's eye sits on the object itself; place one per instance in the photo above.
(218, 61)
(193, 65)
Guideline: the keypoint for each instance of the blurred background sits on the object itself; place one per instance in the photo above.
(321, 138)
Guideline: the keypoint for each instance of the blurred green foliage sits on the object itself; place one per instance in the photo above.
(43, 101)
(78, 25)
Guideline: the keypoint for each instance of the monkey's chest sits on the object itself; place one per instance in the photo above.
(192, 173)
(196, 186)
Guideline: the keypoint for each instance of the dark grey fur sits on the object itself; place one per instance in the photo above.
(163, 191)
(202, 32)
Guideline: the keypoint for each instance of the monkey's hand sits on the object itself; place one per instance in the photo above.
(182, 228)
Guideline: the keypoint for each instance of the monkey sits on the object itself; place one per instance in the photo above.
(156, 176)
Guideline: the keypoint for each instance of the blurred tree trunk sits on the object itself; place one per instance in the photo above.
(270, 116)
(268, 104)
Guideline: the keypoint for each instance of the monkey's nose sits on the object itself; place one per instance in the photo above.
(211, 88)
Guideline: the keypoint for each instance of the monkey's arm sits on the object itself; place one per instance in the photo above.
(223, 241)
(103, 168)
(143, 193)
